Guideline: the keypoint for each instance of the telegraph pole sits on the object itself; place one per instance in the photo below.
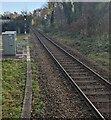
(25, 25)
(24, 13)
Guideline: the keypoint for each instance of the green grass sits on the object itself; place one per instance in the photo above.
(37, 103)
(95, 47)
(100, 58)
(13, 84)
(21, 37)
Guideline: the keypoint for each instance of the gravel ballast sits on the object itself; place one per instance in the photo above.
(60, 98)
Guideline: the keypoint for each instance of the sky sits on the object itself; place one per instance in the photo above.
(26, 5)
(20, 6)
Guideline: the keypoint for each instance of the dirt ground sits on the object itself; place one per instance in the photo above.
(60, 98)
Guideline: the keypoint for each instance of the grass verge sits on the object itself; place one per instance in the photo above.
(21, 37)
(13, 85)
(37, 103)
(95, 47)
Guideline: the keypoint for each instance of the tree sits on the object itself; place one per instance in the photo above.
(67, 7)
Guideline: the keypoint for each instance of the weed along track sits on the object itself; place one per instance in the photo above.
(93, 88)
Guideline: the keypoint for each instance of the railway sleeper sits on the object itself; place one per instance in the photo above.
(69, 64)
(74, 70)
(103, 100)
(92, 87)
(65, 61)
(104, 108)
(106, 111)
(99, 97)
(78, 73)
(83, 78)
(61, 57)
(97, 93)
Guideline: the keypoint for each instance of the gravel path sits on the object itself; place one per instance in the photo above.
(56, 91)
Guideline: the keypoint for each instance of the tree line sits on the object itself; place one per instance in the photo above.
(88, 18)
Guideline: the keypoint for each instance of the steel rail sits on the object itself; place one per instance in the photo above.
(88, 68)
(86, 99)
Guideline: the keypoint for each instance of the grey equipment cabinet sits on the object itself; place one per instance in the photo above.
(9, 43)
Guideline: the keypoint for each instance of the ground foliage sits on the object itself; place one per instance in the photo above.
(37, 103)
(13, 85)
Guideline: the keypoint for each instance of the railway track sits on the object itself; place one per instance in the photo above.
(95, 90)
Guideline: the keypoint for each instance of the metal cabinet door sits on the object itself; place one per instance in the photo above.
(12, 45)
(5, 40)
